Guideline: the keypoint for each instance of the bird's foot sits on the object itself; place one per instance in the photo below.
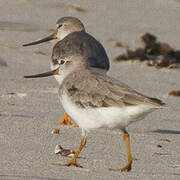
(66, 121)
(126, 168)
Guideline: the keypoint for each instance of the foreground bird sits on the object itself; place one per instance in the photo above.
(96, 100)
(73, 39)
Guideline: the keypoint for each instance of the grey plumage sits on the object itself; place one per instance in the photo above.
(86, 89)
(83, 44)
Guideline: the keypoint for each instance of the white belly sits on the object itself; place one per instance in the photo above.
(109, 117)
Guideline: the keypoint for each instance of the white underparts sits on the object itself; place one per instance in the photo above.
(109, 117)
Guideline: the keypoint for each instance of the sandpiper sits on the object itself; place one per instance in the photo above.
(96, 100)
(73, 39)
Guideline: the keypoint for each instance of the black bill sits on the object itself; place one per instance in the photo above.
(49, 73)
(51, 37)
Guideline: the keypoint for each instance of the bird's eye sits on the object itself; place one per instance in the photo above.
(62, 62)
(59, 25)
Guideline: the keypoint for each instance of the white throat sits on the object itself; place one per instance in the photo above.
(58, 78)
(62, 34)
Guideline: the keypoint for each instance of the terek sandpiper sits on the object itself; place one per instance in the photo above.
(96, 100)
(73, 39)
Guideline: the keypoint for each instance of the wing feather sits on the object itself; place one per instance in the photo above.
(89, 90)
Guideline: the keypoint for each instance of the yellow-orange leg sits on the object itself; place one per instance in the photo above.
(73, 160)
(66, 121)
(127, 167)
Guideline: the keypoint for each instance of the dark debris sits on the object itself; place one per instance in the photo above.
(155, 53)
(159, 146)
(175, 93)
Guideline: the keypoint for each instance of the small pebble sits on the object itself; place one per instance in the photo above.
(159, 146)
(55, 131)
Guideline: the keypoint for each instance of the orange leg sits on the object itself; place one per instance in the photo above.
(66, 121)
(127, 167)
(73, 160)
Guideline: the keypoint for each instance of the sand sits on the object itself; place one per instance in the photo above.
(29, 108)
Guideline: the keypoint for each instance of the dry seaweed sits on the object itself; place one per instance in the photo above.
(175, 93)
(155, 53)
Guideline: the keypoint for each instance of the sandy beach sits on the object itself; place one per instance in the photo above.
(30, 108)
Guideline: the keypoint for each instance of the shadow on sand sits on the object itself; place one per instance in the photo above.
(29, 177)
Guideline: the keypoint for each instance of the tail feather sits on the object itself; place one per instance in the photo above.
(156, 101)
